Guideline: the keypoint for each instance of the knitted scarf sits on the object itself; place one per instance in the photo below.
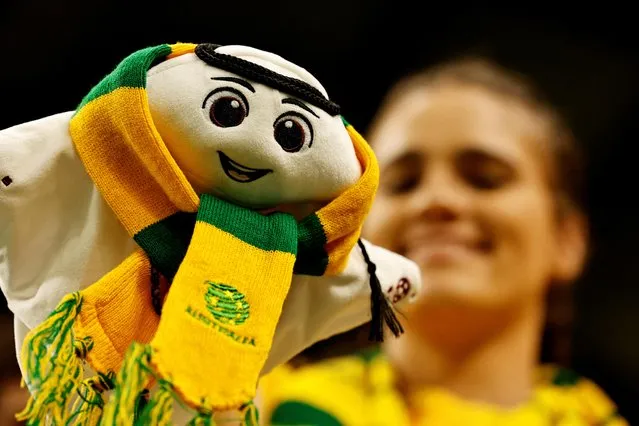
(229, 270)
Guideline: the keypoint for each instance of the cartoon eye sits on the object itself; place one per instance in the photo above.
(227, 107)
(293, 131)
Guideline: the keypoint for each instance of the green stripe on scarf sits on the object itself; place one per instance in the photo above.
(312, 258)
(241, 223)
(131, 72)
(166, 243)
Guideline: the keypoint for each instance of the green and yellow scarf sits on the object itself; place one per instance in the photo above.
(230, 269)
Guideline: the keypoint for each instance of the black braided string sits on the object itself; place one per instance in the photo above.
(381, 311)
(260, 74)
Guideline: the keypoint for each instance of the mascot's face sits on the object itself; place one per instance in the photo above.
(245, 141)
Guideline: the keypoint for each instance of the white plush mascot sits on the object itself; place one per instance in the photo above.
(194, 223)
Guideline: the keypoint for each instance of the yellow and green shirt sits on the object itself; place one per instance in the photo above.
(358, 390)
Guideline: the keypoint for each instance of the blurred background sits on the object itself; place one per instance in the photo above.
(54, 52)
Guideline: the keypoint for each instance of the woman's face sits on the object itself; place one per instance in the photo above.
(465, 194)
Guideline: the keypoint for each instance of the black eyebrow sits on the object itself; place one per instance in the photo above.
(260, 74)
(236, 80)
(299, 104)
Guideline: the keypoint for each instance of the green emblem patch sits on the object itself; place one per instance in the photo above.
(226, 303)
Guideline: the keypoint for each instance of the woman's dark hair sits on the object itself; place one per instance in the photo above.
(566, 179)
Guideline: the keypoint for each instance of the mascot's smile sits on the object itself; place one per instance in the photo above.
(240, 173)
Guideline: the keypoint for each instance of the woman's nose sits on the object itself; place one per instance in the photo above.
(439, 197)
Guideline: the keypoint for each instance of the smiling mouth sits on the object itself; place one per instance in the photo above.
(238, 172)
(443, 249)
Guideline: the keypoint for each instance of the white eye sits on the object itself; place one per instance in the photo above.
(227, 107)
(292, 131)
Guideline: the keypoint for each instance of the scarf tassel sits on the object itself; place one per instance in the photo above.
(87, 409)
(130, 384)
(381, 310)
(251, 415)
(202, 419)
(53, 363)
(159, 408)
(130, 402)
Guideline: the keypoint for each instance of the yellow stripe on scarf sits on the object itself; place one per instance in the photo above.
(138, 194)
(354, 204)
(112, 331)
(220, 315)
(218, 320)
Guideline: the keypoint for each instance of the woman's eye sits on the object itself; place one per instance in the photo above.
(227, 107)
(404, 174)
(485, 181)
(485, 172)
(405, 184)
(292, 131)
(400, 183)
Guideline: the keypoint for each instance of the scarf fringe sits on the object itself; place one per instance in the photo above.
(251, 415)
(87, 409)
(130, 383)
(202, 419)
(130, 403)
(159, 409)
(143, 400)
(53, 364)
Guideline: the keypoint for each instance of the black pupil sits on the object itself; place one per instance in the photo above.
(290, 135)
(227, 112)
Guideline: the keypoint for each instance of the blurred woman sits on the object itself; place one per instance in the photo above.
(481, 188)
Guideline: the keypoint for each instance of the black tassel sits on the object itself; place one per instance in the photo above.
(381, 311)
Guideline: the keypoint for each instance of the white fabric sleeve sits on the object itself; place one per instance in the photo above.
(320, 307)
(56, 233)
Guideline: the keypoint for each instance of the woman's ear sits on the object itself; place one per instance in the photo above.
(571, 246)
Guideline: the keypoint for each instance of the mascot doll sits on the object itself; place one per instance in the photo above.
(194, 223)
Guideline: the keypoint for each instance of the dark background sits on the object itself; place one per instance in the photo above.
(53, 52)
